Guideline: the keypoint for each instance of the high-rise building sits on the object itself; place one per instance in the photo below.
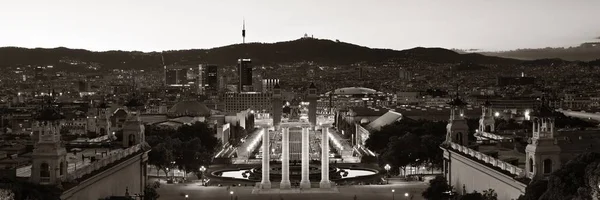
(182, 75)
(245, 75)
(210, 78)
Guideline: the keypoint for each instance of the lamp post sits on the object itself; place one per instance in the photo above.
(393, 193)
(231, 195)
(202, 169)
(186, 196)
(387, 168)
(406, 195)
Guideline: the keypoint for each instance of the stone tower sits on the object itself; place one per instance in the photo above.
(542, 152)
(457, 130)
(133, 129)
(487, 121)
(49, 157)
(277, 105)
(312, 106)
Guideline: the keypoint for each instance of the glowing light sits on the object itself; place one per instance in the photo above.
(334, 140)
(255, 141)
(406, 194)
(496, 114)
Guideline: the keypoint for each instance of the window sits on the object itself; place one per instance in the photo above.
(531, 165)
(547, 166)
(62, 168)
(44, 170)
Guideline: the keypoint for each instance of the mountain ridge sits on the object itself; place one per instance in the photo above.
(301, 50)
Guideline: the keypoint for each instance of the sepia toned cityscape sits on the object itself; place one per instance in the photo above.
(465, 100)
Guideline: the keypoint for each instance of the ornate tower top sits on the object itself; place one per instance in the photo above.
(543, 110)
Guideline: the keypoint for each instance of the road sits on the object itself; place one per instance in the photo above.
(370, 192)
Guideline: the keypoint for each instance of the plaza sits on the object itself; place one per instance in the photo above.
(371, 192)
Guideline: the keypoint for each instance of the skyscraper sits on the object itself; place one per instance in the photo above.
(210, 78)
(245, 74)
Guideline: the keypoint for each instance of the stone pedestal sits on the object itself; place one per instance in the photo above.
(285, 159)
(265, 183)
(305, 182)
(325, 158)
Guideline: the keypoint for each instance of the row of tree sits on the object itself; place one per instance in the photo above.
(186, 148)
(408, 143)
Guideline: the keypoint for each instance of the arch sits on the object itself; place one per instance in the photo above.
(62, 168)
(131, 139)
(531, 165)
(488, 128)
(547, 166)
(44, 170)
(459, 138)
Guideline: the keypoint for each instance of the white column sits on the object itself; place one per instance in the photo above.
(285, 159)
(265, 183)
(325, 158)
(305, 182)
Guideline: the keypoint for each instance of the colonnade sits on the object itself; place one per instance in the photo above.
(285, 157)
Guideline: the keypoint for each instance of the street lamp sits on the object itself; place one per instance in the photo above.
(387, 168)
(393, 194)
(231, 194)
(202, 169)
(186, 196)
(406, 195)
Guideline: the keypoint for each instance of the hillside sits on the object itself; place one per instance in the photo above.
(307, 49)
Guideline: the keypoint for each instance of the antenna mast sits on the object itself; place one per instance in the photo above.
(244, 31)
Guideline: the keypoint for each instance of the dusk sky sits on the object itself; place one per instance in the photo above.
(155, 25)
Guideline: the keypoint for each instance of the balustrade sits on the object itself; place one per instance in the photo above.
(104, 161)
(487, 159)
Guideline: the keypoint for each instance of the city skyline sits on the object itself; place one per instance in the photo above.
(155, 26)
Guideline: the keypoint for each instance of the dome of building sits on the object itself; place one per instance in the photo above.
(189, 108)
(353, 91)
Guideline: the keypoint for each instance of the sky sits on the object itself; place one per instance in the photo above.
(156, 25)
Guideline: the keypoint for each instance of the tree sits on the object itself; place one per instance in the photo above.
(402, 151)
(567, 181)
(577, 179)
(490, 194)
(535, 190)
(161, 155)
(437, 190)
(150, 192)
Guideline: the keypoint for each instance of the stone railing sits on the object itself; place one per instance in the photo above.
(102, 162)
(488, 159)
(491, 135)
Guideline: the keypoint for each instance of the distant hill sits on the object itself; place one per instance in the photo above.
(585, 52)
(306, 49)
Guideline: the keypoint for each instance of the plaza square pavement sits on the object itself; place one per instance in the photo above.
(370, 192)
